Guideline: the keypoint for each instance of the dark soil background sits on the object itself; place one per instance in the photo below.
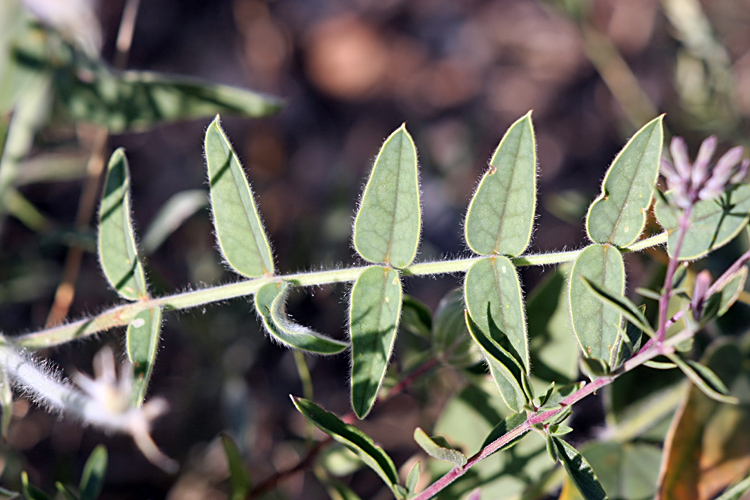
(458, 74)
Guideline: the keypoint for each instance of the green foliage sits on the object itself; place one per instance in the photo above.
(501, 213)
(386, 230)
(269, 302)
(618, 214)
(713, 223)
(438, 447)
(239, 230)
(239, 478)
(117, 251)
(596, 325)
(142, 336)
(375, 307)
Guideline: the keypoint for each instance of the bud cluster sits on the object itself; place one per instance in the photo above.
(692, 182)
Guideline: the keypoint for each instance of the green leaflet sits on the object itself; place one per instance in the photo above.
(239, 479)
(622, 304)
(269, 303)
(450, 339)
(354, 439)
(412, 479)
(92, 478)
(579, 470)
(375, 306)
(239, 230)
(389, 219)
(713, 223)
(493, 298)
(31, 492)
(597, 326)
(438, 447)
(171, 215)
(505, 426)
(117, 251)
(505, 369)
(618, 214)
(142, 344)
(501, 213)
(731, 290)
(704, 379)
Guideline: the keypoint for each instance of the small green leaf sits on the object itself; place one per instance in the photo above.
(142, 344)
(730, 291)
(270, 303)
(351, 437)
(618, 214)
(31, 492)
(412, 479)
(389, 219)
(501, 213)
(439, 448)
(375, 307)
(415, 317)
(505, 426)
(507, 373)
(704, 379)
(117, 251)
(239, 479)
(493, 298)
(6, 402)
(597, 326)
(92, 479)
(579, 471)
(622, 304)
(66, 492)
(551, 447)
(713, 223)
(737, 491)
(239, 230)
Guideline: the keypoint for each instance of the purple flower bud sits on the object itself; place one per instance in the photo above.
(679, 151)
(702, 283)
(741, 172)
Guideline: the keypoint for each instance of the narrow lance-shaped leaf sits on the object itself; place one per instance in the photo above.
(239, 480)
(579, 471)
(117, 251)
(492, 293)
(92, 479)
(501, 212)
(239, 230)
(389, 220)
(412, 479)
(597, 326)
(713, 223)
(618, 214)
(622, 304)
(143, 336)
(375, 306)
(438, 447)
(730, 291)
(6, 403)
(504, 368)
(354, 439)
(269, 303)
(704, 379)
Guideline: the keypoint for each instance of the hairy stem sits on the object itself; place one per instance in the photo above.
(122, 314)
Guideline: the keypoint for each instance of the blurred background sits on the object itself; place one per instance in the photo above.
(349, 73)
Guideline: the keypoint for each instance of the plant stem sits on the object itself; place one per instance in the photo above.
(122, 314)
(541, 416)
(683, 225)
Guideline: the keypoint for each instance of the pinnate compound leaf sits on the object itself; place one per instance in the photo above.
(713, 223)
(438, 447)
(596, 325)
(270, 303)
(92, 479)
(239, 230)
(117, 251)
(618, 214)
(239, 479)
(143, 336)
(386, 230)
(501, 213)
(492, 293)
(375, 307)
(507, 373)
(579, 470)
(351, 437)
